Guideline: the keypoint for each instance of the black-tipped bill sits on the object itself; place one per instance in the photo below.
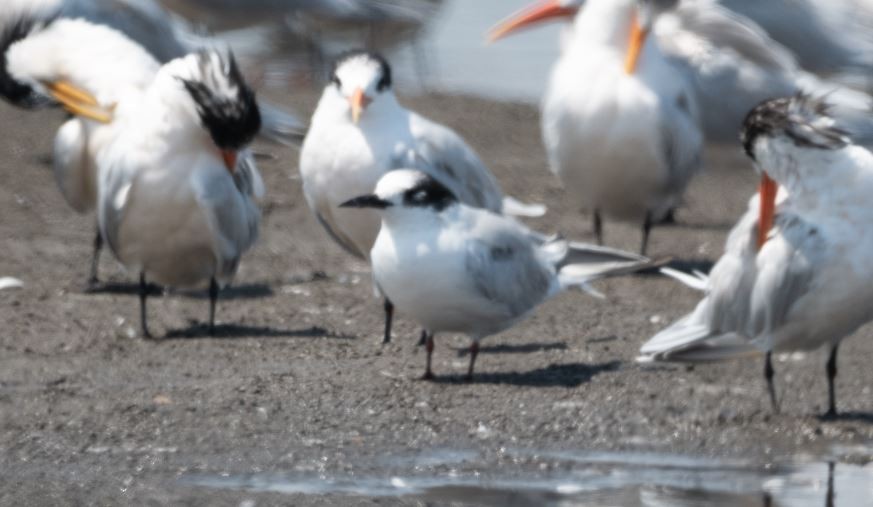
(366, 201)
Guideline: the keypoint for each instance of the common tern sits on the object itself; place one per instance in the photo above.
(457, 268)
(803, 281)
(620, 122)
(359, 132)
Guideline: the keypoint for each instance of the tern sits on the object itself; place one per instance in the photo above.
(359, 132)
(458, 268)
(796, 279)
(162, 34)
(620, 122)
(176, 187)
(116, 66)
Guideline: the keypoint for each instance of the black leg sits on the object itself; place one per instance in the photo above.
(598, 227)
(832, 375)
(94, 279)
(768, 374)
(647, 228)
(389, 316)
(423, 340)
(213, 299)
(428, 373)
(474, 351)
(143, 295)
(670, 217)
(829, 498)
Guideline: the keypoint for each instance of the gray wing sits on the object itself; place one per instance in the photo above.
(233, 218)
(444, 155)
(505, 267)
(733, 64)
(750, 295)
(788, 264)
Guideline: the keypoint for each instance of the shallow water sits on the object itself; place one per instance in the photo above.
(521, 477)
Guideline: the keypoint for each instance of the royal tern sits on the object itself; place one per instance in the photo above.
(731, 62)
(40, 43)
(619, 120)
(359, 132)
(809, 283)
(457, 268)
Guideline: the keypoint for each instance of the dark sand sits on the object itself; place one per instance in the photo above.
(297, 381)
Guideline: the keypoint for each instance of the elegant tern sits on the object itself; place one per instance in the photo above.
(359, 132)
(38, 44)
(809, 282)
(163, 35)
(619, 119)
(457, 268)
(175, 200)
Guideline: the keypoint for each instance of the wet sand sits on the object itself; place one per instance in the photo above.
(297, 381)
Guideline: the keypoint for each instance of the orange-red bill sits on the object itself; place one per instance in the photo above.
(542, 11)
(229, 157)
(767, 196)
(635, 46)
(358, 101)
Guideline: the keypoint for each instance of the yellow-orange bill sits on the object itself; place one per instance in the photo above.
(767, 196)
(78, 102)
(358, 102)
(635, 46)
(229, 157)
(542, 11)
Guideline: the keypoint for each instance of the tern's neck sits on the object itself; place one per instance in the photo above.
(606, 22)
(821, 178)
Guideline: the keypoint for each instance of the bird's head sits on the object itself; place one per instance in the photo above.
(359, 80)
(224, 102)
(405, 190)
(776, 133)
(640, 14)
(14, 89)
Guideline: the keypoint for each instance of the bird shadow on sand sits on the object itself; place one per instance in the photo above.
(525, 348)
(861, 417)
(555, 375)
(245, 291)
(238, 331)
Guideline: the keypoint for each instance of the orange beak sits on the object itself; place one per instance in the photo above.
(767, 195)
(542, 11)
(229, 157)
(359, 102)
(635, 46)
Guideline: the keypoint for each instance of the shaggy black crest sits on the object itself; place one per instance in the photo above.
(429, 193)
(385, 68)
(232, 121)
(801, 118)
(21, 94)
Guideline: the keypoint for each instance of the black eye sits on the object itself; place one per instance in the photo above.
(336, 80)
(420, 196)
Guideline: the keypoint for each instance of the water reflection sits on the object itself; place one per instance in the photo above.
(586, 479)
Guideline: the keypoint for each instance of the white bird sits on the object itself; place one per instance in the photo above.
(619, 118)
(173, 202)
(457, 268)
(110, 66)
(160, 33)
(806, 282)
(359, 132)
